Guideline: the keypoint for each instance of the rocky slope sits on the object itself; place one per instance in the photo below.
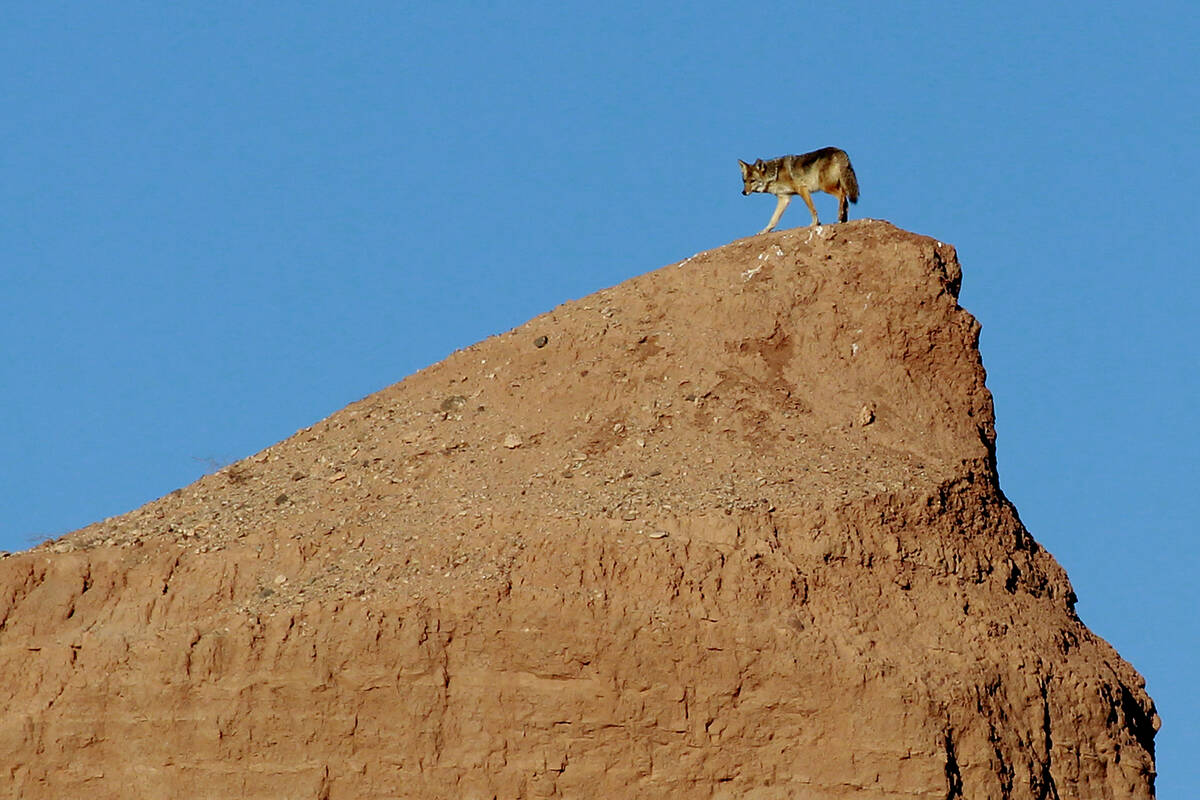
(729, 529)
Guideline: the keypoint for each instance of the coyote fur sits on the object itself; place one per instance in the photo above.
(825, 170)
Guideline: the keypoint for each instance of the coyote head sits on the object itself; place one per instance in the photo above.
(753, 177)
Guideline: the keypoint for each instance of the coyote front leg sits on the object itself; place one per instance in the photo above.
(780, 205)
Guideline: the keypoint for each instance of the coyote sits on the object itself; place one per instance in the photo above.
(824, 170)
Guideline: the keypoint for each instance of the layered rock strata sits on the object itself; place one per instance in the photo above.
(731, 529)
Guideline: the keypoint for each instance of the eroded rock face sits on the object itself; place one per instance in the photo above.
(729, 529)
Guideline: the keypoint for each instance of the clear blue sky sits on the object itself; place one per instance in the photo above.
(221, 222)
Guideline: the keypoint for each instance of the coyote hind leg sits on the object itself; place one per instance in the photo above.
(808, 202)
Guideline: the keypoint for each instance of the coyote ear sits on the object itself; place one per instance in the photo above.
(743, 165)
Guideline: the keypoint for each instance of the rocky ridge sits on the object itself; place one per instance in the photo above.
(730, 529)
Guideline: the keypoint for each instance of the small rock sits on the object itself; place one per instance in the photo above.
(337, 477)
(658, 535)
(866, 415)
(512, 441)
(541, 341)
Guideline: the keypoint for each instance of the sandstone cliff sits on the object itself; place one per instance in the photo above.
(731, 529)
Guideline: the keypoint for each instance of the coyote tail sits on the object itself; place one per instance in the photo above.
(850, 182)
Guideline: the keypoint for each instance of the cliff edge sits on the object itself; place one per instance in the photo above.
(731, 529)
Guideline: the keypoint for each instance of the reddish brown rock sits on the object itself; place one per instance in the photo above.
(729, 529)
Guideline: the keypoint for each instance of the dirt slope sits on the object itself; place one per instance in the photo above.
(729, 529)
